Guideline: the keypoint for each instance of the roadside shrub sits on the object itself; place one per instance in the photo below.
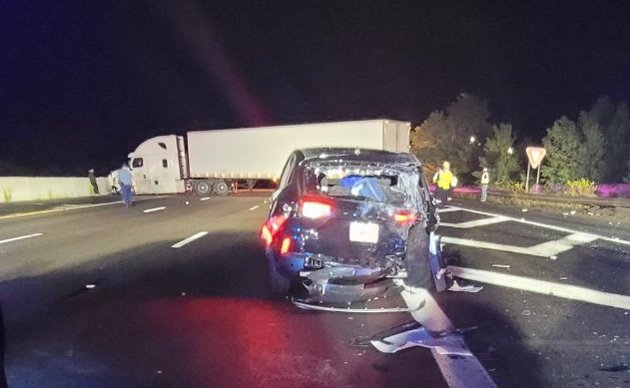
(581, 188)
(611, 190)
(513, 186)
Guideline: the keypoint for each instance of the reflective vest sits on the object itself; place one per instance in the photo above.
(444, 180)
(485, 178)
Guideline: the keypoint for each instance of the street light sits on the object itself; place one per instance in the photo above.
(472, 139)
(510, 151)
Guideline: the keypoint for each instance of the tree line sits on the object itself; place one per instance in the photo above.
(595, 146)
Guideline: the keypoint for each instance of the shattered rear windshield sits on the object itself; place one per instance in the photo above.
(360, 181)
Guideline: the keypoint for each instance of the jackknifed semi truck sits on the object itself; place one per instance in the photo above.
(208, 162)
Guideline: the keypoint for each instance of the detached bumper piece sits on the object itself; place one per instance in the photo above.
(347, 284)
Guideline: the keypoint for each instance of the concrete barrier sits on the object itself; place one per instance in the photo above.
(16, 189)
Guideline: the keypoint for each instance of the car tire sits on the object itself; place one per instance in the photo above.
(203, 188)
(278, 284)
(221, 188)
(417, 258)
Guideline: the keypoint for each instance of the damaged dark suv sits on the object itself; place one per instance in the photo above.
(344, 221)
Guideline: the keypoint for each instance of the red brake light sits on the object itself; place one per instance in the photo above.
(405, 217)
(316, 208)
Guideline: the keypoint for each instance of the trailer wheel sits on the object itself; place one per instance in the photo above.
(203, 188)
(221, 188)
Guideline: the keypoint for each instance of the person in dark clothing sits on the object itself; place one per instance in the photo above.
(93, 180)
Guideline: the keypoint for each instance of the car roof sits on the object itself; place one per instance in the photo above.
(358, 155)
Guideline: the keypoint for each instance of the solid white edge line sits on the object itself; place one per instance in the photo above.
(21, 238)
(254, 207)
(155, 209)
(547, 226)
(448, 209)
(458, 372)
(475, 223)
(565, 291)
(493, 246)
(189, 239)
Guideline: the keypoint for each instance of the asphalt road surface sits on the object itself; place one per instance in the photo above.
(172, 292)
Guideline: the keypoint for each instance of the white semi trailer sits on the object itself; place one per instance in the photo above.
(209, 161)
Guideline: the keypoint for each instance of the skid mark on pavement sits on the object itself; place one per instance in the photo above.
(543, 287)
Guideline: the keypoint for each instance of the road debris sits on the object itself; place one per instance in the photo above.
(451, 344)
(614, 368)
(505, 266)
(526, 312)
(469, 288)
(307, 306)
(553, 257)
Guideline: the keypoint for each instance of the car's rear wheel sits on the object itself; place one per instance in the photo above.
(278, 284)
(417, 259)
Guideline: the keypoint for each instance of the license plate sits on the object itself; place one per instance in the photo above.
(363, 232)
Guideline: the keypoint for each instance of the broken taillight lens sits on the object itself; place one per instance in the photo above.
(405, 217)
(271, 228)
(315, 208)
(286, 245)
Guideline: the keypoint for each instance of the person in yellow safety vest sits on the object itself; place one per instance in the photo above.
(485, 180)
(444, 181)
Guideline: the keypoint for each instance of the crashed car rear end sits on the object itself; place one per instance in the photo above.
(346, 221)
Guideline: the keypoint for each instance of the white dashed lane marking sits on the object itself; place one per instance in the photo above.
(189, 239)
(8, 240)
(155, 209)
(546, 249)
(254, 207)
(543, 225)
(543, 287)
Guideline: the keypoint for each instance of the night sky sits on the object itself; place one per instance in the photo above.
(83, 82)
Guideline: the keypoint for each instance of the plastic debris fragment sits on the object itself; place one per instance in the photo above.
(451, 344)
(469, 288)
(614, 368)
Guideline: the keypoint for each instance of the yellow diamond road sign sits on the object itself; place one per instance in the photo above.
(535, 155)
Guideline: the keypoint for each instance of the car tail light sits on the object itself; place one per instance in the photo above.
(271, 228)
(286, 245)
(316, 208)
(405, 217)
